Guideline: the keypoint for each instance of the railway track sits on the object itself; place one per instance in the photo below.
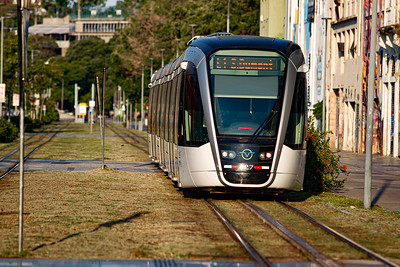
(311, 252)
(138, 141)
(15, 165)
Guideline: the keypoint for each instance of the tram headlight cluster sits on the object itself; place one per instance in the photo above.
(265, 156)
(228, 154)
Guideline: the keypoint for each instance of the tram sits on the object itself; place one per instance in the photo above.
(229, 114)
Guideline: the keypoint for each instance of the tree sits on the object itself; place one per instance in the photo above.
(156, 24)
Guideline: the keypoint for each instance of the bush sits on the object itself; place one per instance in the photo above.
(51, 113)
(29, 126)
(8, 131)
(322, 164)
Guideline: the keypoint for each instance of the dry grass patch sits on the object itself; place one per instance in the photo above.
(109, 215)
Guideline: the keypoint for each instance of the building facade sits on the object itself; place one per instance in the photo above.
(344, 78)
(388, 69)
(272, 18)
(80, 26)
(335, 39)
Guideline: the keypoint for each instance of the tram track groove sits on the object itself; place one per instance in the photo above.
(115, 130)
(339, 236)
(250, 248)
(18, 148)
(312, 252)
(13, 167)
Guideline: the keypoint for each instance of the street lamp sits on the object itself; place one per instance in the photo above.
(193, 26)
(142, 109)
(162, 56)
(177, 47)
(227, 18)
(151, 67)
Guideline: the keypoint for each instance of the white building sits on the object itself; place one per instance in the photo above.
(389, 70)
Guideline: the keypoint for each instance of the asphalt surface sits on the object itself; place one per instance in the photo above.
(385, 191)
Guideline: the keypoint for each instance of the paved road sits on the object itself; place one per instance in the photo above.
(385, 179)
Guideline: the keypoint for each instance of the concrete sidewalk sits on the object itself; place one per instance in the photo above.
(385, 179)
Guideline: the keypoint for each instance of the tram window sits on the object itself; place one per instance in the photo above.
(195, 129)
(246, 89)
(166, 113)
(172, 111)
(154, 110)
(162, 113)
(178, 108)
(158, 111)
(295, 133)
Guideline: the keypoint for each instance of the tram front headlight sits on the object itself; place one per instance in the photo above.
(265, 156)
(228, 154)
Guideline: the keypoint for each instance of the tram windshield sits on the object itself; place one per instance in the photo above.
(246, 90)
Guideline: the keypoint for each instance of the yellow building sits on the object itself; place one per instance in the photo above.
(272, 18)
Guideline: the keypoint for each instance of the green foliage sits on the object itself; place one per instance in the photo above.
(85, 60)
(322, 164)
(29, 124)
(51, 113)
(157, 24)
(317, 111)
(8, 131)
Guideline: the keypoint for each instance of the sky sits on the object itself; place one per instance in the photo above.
(111, 2)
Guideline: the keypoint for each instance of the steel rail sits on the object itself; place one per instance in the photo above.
(339, 236)
(255, 254)
(12, 168)
(7, 146)
(17, 149)
(134, 137)
(123, 138)
(314, 254)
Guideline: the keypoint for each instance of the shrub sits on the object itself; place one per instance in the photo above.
(8, 131)
(322, 164)
(29, 126)
(51, 113)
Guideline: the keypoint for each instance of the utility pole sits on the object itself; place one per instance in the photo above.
(62, 94)
(370, 111)
(162, 56)
(227, 18)
(76, 102)
(142, 108)
(1, 64)
(177, 47)
(23, 22)
(151, 67)
(193, 26)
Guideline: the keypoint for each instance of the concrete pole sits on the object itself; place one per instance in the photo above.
(193, 26)
(22, 16)
(123, 107)
(142, 108)
(127, 113)
(1, 64)
(76, 103)
(177, 47)
(370, 111)
(162, 56)
(151, 67)
(130, 125)
(227, 18)
(136, 123)
(62, 94)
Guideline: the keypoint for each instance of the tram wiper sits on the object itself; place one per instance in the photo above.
(262, 126)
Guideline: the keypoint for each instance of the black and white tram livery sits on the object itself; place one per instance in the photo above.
(230, 113)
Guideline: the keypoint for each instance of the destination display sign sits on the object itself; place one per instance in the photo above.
(246, 63)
